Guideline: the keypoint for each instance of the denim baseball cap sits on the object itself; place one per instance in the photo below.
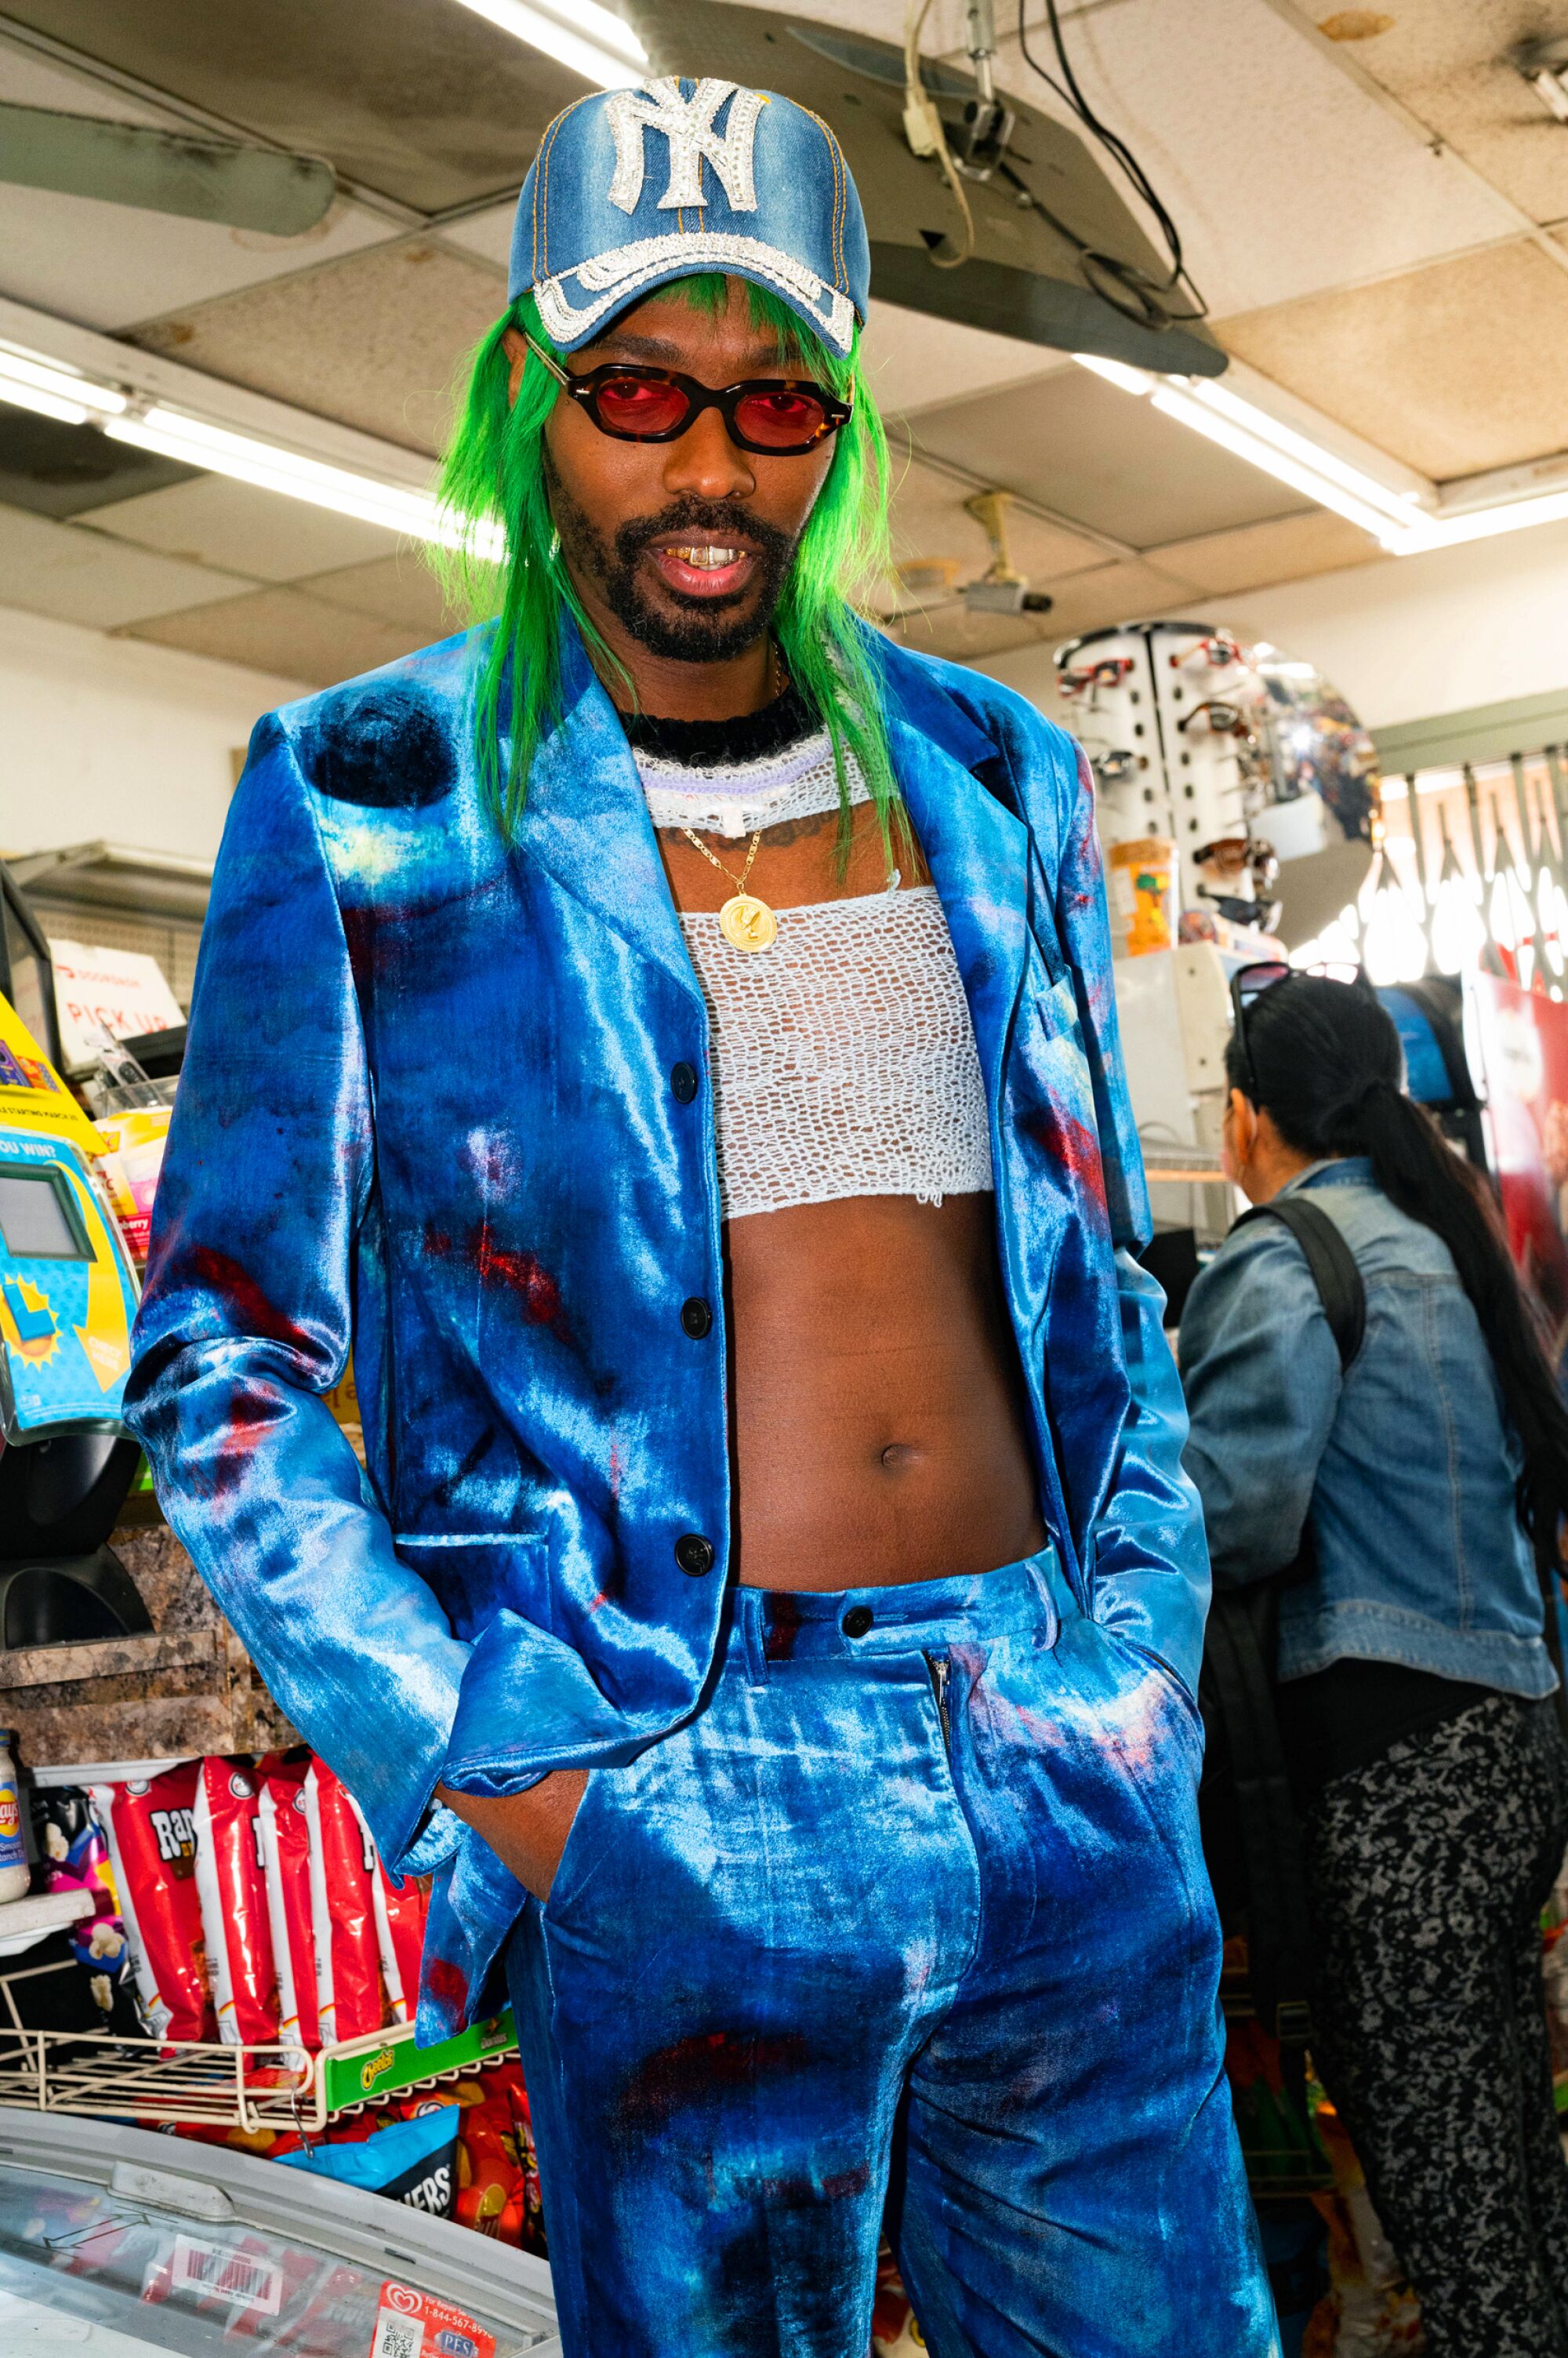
(634, 187)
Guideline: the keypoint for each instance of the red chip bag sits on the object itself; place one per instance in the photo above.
(400, 1908)
(231, 1887)
(286, 1865)
(343, 1910)
(152, 1846)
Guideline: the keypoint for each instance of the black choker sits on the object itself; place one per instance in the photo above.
(708, 744)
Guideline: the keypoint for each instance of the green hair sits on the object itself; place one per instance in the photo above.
(492, 475)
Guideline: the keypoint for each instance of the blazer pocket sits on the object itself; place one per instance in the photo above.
(477, 1575)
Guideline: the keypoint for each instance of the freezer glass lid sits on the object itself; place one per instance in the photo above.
(87, 2272)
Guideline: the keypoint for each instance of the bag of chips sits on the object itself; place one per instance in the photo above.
(151, 1827)
(342, 1908)
(231, 1887)
(411, 2161)
(285, 1866)
(400, 1908)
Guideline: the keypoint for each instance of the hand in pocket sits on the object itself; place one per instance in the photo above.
(528, 1832)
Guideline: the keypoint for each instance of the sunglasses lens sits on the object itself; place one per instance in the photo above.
(639, 404)
(786, 417)
(1254, 980)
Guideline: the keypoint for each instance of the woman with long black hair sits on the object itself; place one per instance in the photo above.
(1411, 1493)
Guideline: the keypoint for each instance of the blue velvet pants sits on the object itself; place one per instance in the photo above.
(912, 1919)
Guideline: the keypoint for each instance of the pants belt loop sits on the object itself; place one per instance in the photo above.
(752, 1604)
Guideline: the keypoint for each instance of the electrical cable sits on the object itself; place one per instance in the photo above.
(921, 106)
(1124, 284)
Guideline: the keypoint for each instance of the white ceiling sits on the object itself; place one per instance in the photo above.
(1352, 212)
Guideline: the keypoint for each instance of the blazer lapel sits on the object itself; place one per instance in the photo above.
(586, 821)
(978, 856)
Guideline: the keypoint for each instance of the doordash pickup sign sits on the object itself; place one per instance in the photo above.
(123, 993)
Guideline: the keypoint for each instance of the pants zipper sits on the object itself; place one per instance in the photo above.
(939, 1666)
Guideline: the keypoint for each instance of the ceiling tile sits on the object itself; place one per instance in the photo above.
(110, 265)
(916, 362)
(1262, 554)
(929, 519)
(486, 233)
(1237, 118)
(400, 590)
(1123, 592)
(1448, 60)
(1105, 458)
(1454, 369)
(430, 104)
(962, 637)
(63, 471)
(215, 521)
(283, 631)
(375, 341)
(81, 577)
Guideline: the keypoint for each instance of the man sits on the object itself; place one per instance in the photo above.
(669, 1035)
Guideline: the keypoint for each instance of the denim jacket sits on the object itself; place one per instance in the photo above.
(438, 1100)
(1402, 1471)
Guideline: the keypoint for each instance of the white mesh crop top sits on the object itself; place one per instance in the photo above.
(844, 1060)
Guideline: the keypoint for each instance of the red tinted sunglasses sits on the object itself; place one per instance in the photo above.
(777, 417)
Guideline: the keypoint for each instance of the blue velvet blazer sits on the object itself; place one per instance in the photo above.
(428, 1112)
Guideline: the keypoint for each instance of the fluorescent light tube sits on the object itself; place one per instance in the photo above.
(195, 443)
(1116, 372)
(1400, 506)
(1480, 524)
(31, 370)
(594, 43)
(27, 396)
(1309, 481)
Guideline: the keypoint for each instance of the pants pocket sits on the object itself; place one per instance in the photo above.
(581, 1852)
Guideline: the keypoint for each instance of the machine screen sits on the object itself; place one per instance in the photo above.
(34, 1220)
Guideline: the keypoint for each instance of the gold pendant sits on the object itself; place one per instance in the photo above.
(747, 923)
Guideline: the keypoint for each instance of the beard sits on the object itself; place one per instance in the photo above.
(676, 628)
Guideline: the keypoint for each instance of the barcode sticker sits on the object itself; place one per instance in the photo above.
(225, 2275)
(412, 2324)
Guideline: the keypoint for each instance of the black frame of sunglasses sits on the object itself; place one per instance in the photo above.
(1278, 970)
(584, 390)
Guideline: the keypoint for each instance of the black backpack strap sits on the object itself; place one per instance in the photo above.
(1333, 1265)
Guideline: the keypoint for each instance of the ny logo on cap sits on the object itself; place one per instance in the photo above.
(687, 125)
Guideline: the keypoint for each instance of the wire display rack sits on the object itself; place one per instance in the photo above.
(201, 2083)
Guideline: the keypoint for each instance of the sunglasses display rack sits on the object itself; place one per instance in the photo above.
(1257, 777)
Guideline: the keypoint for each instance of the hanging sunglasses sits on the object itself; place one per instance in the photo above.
(1247, 985)
(776, 416)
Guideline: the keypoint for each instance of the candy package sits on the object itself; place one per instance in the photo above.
(231, 1889)
(74, 1856)
(342, 1908)
(286, 1865)
(498, 2175)
(150, 1826)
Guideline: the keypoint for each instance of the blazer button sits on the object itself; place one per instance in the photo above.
(694, 1553)
(696, 1317)
(856, 1621)
(683, 1081)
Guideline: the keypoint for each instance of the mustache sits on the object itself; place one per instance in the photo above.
(723, 521)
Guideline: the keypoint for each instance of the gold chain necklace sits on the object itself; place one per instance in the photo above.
(746, 923)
